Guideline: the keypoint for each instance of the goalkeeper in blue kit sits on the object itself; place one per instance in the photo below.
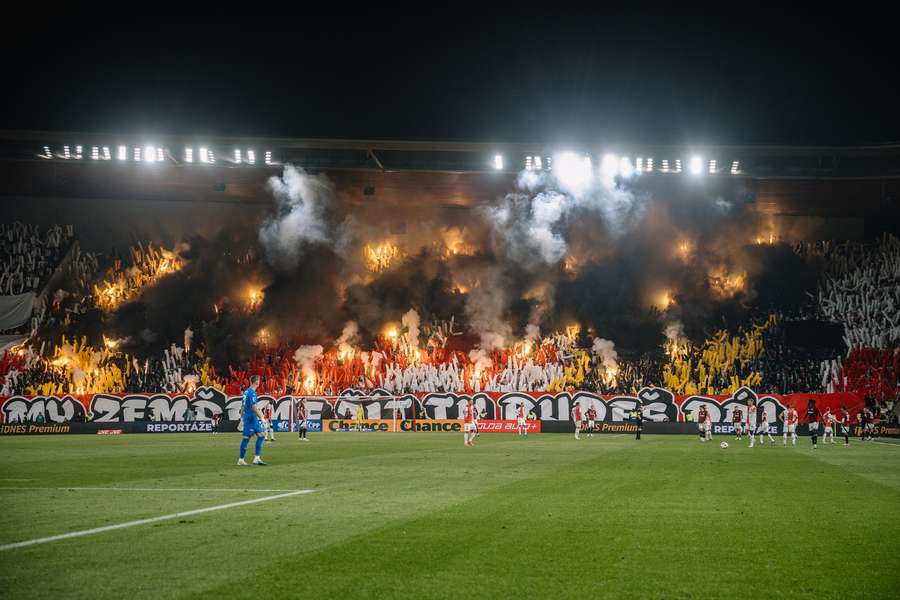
(252, 420)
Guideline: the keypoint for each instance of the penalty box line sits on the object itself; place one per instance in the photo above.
(178, 515)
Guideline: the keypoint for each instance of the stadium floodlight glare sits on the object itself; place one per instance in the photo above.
(95, 153)
(78, 150)
(573, 172)
(123, 153)
(649, 166)
(268, 157)
(189, 155)
(47, 153)
(665, 165)
(66, 154)
(528, 163)
(106, 153)
(712, 166)
(251, 157)
(160, 155)
(639, 164)
(212, 157)
(735, 167)
(609, 166)
(697, 165)
(677, 165)
(204, 155)
(498, 162)
(137, 154)
(149, 154)
(237, 155)
(625, 167)
(537, 163)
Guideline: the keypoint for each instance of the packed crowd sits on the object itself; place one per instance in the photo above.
(859, 290)
(29, 255)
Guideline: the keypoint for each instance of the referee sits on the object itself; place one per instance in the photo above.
(636, 414)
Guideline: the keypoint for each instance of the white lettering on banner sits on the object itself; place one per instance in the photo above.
(509, 404)
(657, 404)
(695, 403)
(589, 401)
(438, 403)
(55, 410)
(166, 409)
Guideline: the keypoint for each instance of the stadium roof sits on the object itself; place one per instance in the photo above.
(762, 161)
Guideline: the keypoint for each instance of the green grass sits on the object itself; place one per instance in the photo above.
(418, 515)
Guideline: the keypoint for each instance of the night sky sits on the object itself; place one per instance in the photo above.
(642, 75)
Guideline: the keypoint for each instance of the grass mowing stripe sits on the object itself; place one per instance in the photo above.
(189, 513)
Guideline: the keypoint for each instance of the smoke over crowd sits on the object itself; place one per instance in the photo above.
(631, 267)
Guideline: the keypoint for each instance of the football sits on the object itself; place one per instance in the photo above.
(723, 445)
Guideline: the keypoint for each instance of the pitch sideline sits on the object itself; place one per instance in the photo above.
(189, 513)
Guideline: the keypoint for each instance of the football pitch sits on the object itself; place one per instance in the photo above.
(420, 516)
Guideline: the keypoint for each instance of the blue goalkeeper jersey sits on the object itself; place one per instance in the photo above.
(250, 400)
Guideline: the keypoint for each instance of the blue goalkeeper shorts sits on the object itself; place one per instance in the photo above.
(253, 428)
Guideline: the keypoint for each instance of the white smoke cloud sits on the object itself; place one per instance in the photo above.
(349, 337)
(606, 352)
(306, 356)
(532, 332)
(410, 321)
(301, 201)
(188, 336)
(674, 332)
(486, 306)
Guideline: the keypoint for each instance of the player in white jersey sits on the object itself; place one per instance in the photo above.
(828, 421)
(750, 427)
(469, 424)
(790, 418)
(576, 417)
(521, 423)
(763, 429)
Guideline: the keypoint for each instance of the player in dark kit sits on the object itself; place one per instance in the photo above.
(737, 420)
(301, 420)
(812, 417)
(701, 423)
(844, 421)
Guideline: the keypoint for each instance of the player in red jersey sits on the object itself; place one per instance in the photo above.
(576, 417)
(704, 424)
(521, 423)
(828, 421)
(737, 421)
(790, 418)
(812, 417)
(469, 424)
(844, 420)
(591, 415)
(267, 423)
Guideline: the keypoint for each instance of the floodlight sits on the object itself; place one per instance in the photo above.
(696, 165)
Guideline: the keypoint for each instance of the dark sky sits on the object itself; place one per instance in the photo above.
(645, 75)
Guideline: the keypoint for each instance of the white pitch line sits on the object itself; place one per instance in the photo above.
(141, 489)
(188, 513)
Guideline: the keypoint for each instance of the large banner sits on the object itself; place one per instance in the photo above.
(659, 405)
(15, 310)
